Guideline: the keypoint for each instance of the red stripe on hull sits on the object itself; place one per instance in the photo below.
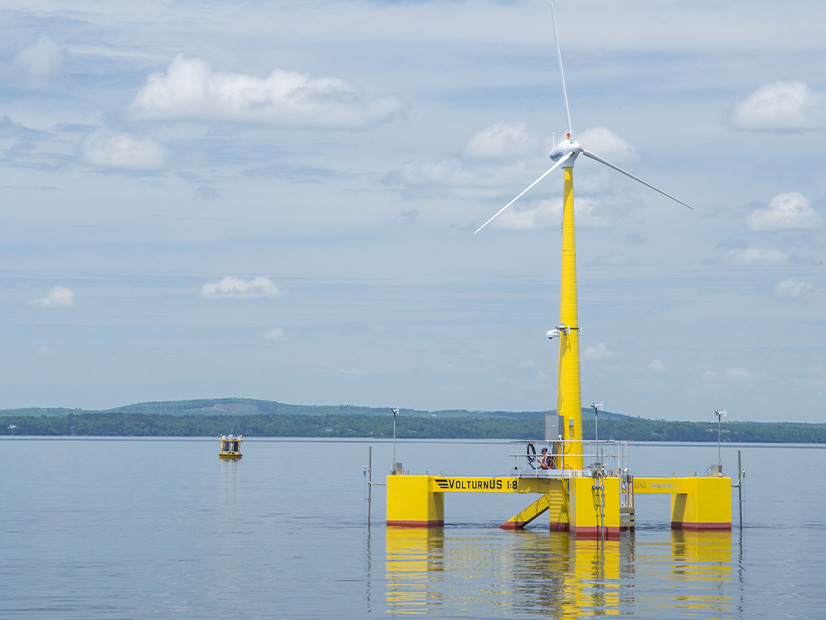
(698, 527)
(416, 523)
(596, 532)
(513, 525)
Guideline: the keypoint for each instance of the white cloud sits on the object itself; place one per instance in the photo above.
(785, 211)
(738, 373)
(40, 63)
(45, 351)
(656, 366)
(352, 372)
(230, 287)
(544, 215)
(781, 106)
(434, 173)
(58, 297)
(274, 334)
(793, 288)
(107, 149)
(753, 256)
(191, 90)
(500, 141)
(607, 144)
(600, 352)
(548, 214)
(732, 373)
(490, 162)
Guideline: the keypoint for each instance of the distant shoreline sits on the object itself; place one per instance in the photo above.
(255, 418)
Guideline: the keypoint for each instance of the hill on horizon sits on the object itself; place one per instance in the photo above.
(250, 406)
(263, 418)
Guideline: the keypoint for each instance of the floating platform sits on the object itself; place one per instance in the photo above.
(594, 502)
(577, 487)
(231, 446)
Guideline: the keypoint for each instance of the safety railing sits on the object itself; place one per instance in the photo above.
(600, 460)
(542, 458)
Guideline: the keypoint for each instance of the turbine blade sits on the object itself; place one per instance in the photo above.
(525, 191)
(628, 174)
(562, 73)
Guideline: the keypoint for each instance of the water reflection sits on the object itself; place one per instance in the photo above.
(460, 571)
(701, 570)
(566, 577)
(415, 563)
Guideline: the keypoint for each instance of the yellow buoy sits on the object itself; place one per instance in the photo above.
(231, 446)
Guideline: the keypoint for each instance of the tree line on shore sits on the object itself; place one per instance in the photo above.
(454, 426)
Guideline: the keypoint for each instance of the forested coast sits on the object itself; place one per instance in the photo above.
(255, 418)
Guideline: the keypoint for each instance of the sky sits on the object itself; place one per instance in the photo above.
(277, 200)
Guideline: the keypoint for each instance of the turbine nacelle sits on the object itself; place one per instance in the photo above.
(567, 149)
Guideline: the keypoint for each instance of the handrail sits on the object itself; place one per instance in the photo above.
(589, 449)
(598, 451)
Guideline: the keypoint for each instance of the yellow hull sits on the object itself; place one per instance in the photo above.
(574, 504)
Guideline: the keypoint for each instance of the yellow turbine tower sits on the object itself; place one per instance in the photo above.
(592, 501)
(569, 397)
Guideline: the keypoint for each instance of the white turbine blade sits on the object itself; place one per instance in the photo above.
(628, 174)
(562, 73)
(525, 191)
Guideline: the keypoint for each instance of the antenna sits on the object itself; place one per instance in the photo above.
(395, 411)
(721, 413)
(596, 407)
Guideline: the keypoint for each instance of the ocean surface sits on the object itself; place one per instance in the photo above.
(128, 528)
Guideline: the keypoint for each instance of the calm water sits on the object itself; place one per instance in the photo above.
(162, 528)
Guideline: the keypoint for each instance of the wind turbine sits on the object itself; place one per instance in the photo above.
(569, 399)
